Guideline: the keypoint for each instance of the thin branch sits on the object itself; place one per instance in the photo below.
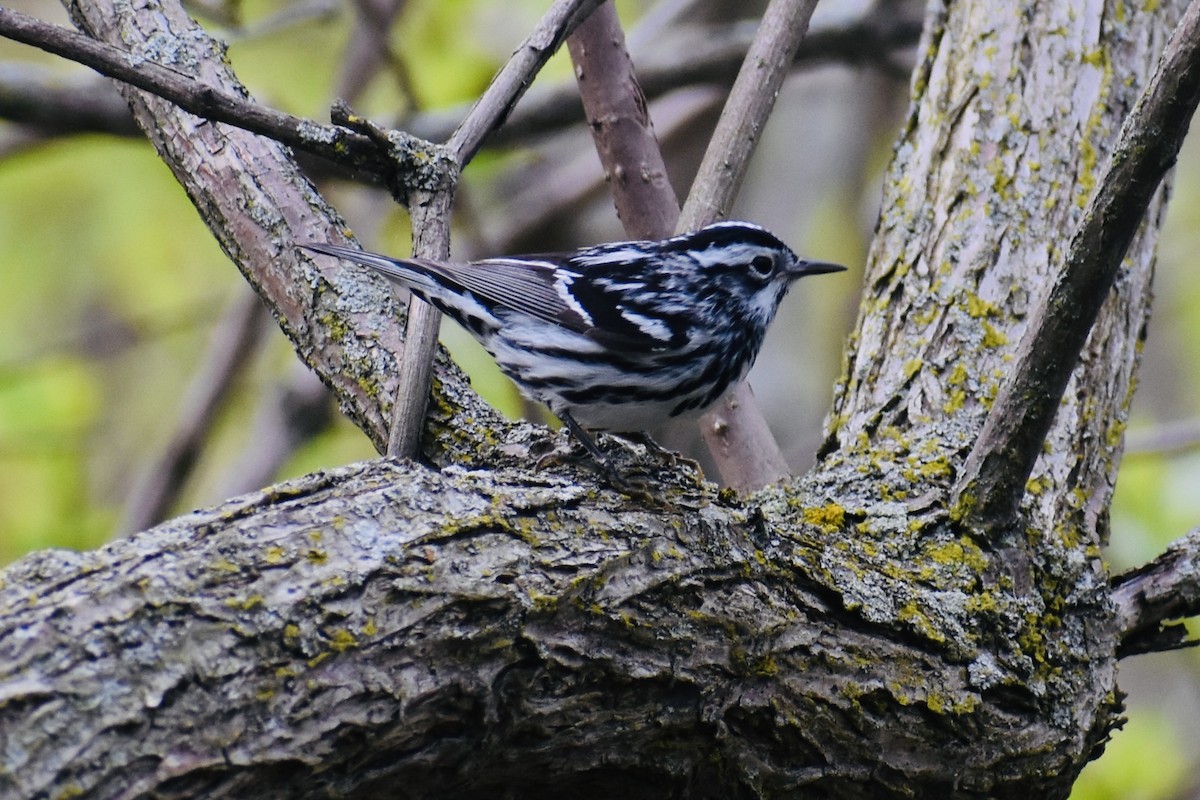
(1169, 438)
(746, 454)
(621, 128)
(1147, 598)
(431, 211)
(328, 141)
(750, 103)
(563, 185)
(34, 95)
(370, 49)
(235, 341)
(712, 57)
(494, 106)
(288, 415)
(993, 479)
(287, 418)
(706, 55)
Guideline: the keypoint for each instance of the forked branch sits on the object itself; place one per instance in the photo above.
(993, 479)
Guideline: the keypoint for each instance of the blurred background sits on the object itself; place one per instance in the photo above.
(139, 377)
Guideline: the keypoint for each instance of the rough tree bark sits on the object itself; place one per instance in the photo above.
(479, 628)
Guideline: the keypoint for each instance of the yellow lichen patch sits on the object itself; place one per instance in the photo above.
(959, 551)
(1035, 486)
(983, 603)
(958, 375)
(992, 336)
(1112, 437)
(829, 517)
(542, 602)
(274, 554)
(955, 402)
(342, 640)
(1032, 642)
(966, 503)
(246, 603)
(766, 667)
(919, 620)
(938, 467)
(940, 703)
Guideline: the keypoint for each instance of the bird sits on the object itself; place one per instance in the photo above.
(619, 336)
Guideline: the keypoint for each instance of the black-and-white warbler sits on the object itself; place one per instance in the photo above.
(619, 336)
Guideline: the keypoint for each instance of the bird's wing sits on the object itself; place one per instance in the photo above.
(546, 287)
(551, 288)
(533, 285)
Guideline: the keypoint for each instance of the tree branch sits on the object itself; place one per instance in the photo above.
(195, 96)
(290, 413)
(341, 323)
(458, 633)
(235, 340)
(494, 106)
(430, 210)
(993, 479)
(711, 57)
(1167, 438)
(746, 454)
(702, 56)
(1168, 588)
(36, 96)
(413, 381)
(621, 128)
(750, 103)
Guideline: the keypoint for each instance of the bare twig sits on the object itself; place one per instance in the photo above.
(493, 107)
(234, 342)
(1146, 598)
(431, 211)
(746, 454)
(370, 49)
(37, 96)
(327, 141)
(712, 57)
(288, 415)
(564, 185)
(621, 128)
(706, 56)
(993, 478)
(1179, 436)
(750, 103)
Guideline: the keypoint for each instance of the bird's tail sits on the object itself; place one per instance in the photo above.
(409, 274)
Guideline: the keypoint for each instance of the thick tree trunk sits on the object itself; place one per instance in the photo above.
(394, 629)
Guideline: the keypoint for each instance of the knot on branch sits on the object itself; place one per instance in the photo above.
(417, 165)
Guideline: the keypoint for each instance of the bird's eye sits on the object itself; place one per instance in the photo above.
(762, 266)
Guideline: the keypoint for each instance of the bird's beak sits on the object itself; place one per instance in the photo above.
(815, 268)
